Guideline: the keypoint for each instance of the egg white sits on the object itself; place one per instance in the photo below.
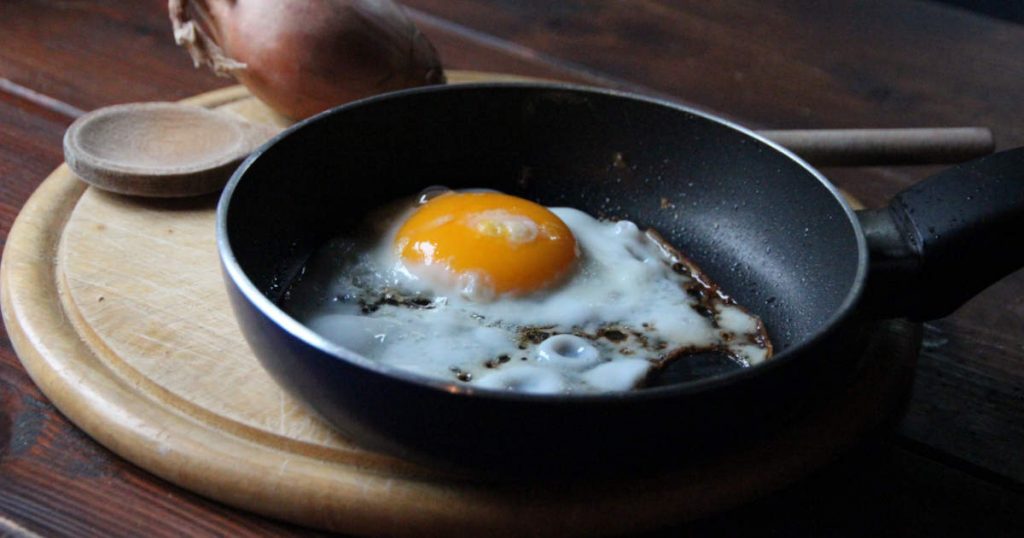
(622, 311)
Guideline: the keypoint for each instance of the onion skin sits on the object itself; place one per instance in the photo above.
(303, 57)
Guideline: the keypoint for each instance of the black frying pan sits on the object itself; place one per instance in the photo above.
(768, 227)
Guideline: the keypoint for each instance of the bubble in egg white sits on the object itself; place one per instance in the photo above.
(567, 351)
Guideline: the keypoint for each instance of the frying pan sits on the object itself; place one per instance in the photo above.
(770, 229)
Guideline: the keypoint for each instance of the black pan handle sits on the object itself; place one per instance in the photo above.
(945, 239)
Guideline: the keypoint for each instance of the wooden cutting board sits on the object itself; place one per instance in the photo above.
(116, 307)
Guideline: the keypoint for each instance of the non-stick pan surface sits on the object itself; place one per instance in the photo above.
(766, 226)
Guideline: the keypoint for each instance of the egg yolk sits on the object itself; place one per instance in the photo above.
(515, 245)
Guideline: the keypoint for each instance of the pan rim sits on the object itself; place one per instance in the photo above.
(295, 329)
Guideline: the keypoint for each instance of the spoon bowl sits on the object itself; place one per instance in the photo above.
(161, 150)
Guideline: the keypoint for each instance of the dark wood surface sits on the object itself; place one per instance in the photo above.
(953, 464)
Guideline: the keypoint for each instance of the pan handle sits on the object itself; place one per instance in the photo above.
(945, 239)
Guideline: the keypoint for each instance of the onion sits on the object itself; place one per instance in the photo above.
(303, 57)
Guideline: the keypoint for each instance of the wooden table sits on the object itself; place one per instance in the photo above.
(954, 464)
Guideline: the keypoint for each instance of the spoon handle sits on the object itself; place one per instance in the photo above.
(868, 147)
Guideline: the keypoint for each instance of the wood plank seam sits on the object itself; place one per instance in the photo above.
(943, 457)
(40, 99)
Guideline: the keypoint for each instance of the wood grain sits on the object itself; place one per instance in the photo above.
(76, 53)
(31, 146)
(92, 54)
(808, 64)
(765, 63)
(887, 490)
(147, 359)
(944, 66)
(973, 385)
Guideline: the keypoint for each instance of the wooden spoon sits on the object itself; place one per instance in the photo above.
(175, 150)
(159, 149)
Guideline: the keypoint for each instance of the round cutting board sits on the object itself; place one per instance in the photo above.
(116, 307)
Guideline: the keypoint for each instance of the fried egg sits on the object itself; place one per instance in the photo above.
(495, 292)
